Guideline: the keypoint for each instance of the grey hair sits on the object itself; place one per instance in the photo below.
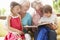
(23, 2)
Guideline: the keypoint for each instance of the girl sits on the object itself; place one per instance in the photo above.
(14, 20)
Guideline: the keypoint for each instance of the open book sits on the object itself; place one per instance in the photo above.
(37, 25)
(44, 23)
(30, 26)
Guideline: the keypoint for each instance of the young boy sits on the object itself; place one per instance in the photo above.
(51, 19)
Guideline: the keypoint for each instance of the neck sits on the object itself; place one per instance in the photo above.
(49, 16)
(14, 15)
(23, 15)
(39, 12)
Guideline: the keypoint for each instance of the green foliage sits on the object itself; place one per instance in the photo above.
(56, 5)
(2, 11)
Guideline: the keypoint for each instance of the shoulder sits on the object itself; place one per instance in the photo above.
(9, 17)
(19, 16)
(54, 15)
(31, 11)
(28, 15)
(34, 14)
(42, 18)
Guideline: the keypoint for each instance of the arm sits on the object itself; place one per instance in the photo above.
(55, 24)
(12, 29)
(20, 21)
(30, 21)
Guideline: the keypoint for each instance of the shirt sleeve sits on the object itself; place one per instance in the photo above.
(30, 21)
(55, 22)
(54, 19)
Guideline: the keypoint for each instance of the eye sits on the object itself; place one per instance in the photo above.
(17, 8)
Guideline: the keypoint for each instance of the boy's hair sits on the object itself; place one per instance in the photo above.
(13, 4)
(47, 8)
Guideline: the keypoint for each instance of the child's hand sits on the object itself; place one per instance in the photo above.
(52, 26)
(21, 32)
(20, 39)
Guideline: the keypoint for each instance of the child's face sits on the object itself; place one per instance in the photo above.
(47, 14)
(16, 9)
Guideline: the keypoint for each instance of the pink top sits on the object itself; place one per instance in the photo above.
(16, 23)
(36, 17)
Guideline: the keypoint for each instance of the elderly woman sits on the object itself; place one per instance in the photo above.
(26, 18)
(37, 15)
(38, 12)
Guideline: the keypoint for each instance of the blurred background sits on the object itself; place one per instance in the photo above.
(5, 10)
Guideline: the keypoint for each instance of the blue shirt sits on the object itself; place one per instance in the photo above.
(27, 20)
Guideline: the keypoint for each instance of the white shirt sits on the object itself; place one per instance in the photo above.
(52, 19)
